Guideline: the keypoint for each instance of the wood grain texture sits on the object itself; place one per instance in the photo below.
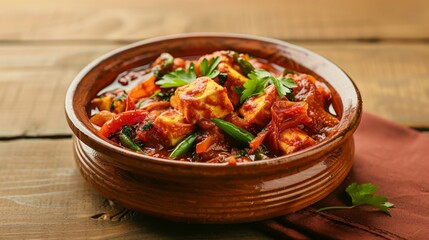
(393, 78)
(44, 44)
(33, 84)
(134, 19)
(42, 195)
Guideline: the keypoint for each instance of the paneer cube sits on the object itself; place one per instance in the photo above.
(257, 109)
(203, 98)
(293, 139)
(112, 101)
(234, 80)
(171, 127)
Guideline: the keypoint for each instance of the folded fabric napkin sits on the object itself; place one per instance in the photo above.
(392, 157)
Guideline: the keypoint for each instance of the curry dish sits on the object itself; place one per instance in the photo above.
(223, 107)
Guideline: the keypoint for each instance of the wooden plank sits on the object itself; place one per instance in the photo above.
(393, 79)
(137, 19)
(33, 84)
(42, 195)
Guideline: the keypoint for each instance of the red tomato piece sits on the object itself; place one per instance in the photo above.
(116, 123)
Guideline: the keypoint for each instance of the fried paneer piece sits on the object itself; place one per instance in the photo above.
(203, 98)
(234, 80)
(112, 101)
(171, 127)
(257, 109)
(293, 139)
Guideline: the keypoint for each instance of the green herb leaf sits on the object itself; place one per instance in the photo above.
(178, 78)
(204, 66)
(259, 79)
(363, 194)
(283, 85)
(213, 64)
(209, 70)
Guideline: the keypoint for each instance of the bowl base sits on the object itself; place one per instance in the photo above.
(222, 201)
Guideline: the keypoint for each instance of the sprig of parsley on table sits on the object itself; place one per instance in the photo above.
(180, 77)
(259, 79)
(363, 194)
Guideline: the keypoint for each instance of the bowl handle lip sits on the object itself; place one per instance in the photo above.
(88, 137)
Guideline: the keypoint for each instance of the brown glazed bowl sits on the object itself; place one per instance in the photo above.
(202, 192)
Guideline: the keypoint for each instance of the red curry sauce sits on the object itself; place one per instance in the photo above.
(167, 109)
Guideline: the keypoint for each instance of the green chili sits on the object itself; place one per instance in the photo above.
(184, 146)
(245, 66)
(128, 142)
(233, 130)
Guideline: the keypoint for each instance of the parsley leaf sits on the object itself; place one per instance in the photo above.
(256, 84)
(259, 79)
(178, 78)
(209, 70)
(283, 85)
(363, 194)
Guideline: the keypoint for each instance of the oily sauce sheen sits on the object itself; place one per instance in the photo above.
(222, 107)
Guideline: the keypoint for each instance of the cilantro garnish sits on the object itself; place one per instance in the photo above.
(363, 194)
(255, 85)
(260, 78)
(180, 77)
(209, 70)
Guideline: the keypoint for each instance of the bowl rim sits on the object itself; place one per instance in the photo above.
(80, 129)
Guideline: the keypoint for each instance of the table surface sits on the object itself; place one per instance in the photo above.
(382, 45)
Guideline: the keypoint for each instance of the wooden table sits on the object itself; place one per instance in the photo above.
(382, 45)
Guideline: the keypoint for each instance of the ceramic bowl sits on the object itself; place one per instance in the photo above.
(202, 192)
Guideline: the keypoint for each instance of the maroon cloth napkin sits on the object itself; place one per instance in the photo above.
(392, 157)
